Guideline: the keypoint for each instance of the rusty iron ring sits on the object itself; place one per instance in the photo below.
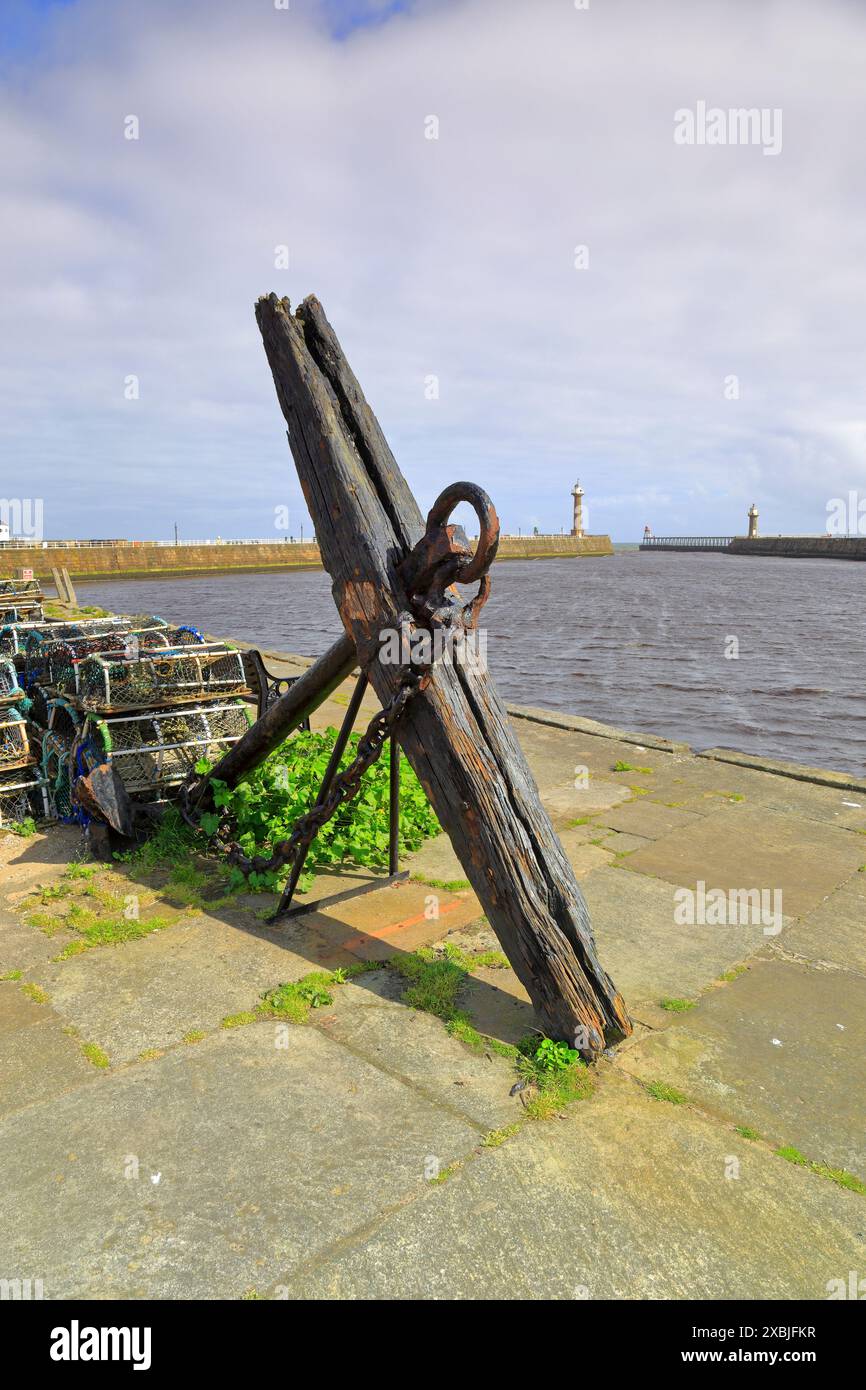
(475, 566)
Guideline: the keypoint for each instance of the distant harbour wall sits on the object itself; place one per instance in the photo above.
(802, 547)
(791, 547)
(135, 560)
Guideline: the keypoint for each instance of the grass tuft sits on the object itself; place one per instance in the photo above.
(840, 1176)
(660, 1090)
(36, 993)
(95, 1055)
(495, 1137)
(445, 885)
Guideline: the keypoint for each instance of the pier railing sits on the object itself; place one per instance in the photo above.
(686, 542)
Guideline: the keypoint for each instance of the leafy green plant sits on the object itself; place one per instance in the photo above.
(25, 828)
(553, 1056)
(556, 1073)
(78, 870)
(264, 808)
(620, 766)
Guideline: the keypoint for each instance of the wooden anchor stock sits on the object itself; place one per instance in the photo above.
(454, 730)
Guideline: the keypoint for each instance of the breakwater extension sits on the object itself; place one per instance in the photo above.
(791, 547)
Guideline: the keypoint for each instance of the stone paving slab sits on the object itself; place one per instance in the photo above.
(25, 862)
(38, 1060)
(498, 1005)
(649, 819)
(699, 786)
(833, 934)
(565, 803)
(397, 918)
(266, 1157)
(369, 1018)
(22, 947)
(746, 847)
(855, 886)
(800, 772)
(625, 1198)
(149, 993)
(643, 949)
(621, 842)
(780, 1049)
(846, 810)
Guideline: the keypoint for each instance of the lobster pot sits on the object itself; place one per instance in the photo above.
(53, 662)
(141, 640)
(22, 794)
(158, 749)
(10, 690)
(144, 622)
(106, 685)
(14, 743)
(20, 588)
(21, 613)
(57, 774)
(38, 712)
(14, 637)
(64, 719)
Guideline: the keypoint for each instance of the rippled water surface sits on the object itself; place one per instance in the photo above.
(634, 640)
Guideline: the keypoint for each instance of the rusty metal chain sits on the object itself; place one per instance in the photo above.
(345, 786)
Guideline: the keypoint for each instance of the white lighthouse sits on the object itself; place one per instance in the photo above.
(577, 494)
(753, 522)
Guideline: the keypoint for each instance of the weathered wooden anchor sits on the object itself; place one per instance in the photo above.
(392, 574)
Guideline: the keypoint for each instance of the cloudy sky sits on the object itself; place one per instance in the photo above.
(704, 351)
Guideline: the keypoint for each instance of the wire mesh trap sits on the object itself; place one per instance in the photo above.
(22, 795)
(56, 768)
(63, 718)
(10, 690)
(15, 636)
(14, 742)
(21, 613)
(108, 684)
(29, 588)
(158, 749)
(38, 706)
(53, 662)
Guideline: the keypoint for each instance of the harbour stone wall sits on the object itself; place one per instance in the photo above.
(140, 559)
(802, 547)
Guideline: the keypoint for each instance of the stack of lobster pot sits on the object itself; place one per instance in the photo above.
(21, 601)
(151, 703)
(22, 791)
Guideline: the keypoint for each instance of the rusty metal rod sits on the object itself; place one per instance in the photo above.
(304, 696)
(394, 809)
(327, 782)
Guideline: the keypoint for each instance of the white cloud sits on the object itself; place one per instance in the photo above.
(452, 257)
